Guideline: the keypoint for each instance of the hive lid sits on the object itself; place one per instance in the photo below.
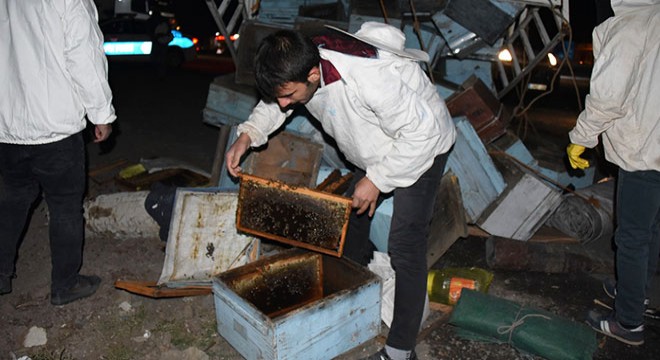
(297, 216)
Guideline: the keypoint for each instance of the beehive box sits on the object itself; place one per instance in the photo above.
(297, 216)
(481, 183)
(229, 102)
(290, 158)
(297, 305)
(202, 241)
(525, 204)
(481, 107)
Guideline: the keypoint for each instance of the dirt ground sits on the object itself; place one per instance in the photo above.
(162, 118)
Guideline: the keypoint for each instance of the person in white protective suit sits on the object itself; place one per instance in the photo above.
(53, 79)
(623, 108)
(369, 93)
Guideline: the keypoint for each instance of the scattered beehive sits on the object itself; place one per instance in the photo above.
(297, 305)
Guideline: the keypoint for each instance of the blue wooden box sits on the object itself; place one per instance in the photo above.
(229, 103)
(297, 305)
(480, 181)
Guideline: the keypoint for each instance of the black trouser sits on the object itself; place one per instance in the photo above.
(59, 170)
(407, 247)
(637, 239)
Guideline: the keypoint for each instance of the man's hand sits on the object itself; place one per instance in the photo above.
(365, 196)
(235, 153)
(577, 162)
(102, 132)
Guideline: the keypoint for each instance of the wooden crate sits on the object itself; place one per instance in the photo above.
(523, 206)
(481, 107)
(480, 181)
(297, 305)
(474, 100)
(289, 158)
(202, 240)
(297, 216)
(228, 102)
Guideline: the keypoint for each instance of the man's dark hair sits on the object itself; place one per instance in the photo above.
(284, 56)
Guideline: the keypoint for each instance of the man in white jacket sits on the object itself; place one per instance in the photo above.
(53, 75)
(624, 107)
(370, 94)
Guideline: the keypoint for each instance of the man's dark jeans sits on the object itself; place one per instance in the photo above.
(638, 241)
(407, 246)
(58, 169)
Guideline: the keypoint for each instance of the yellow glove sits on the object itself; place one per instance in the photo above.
(574, 151)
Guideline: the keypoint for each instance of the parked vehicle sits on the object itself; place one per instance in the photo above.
(130, 39)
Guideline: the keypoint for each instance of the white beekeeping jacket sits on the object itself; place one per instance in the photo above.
(624, 100)
(53, 71)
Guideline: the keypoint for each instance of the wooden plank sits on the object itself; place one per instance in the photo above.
(335, 175)
(449, 220)
(335, 183)
(480, 181)
(153, 290)
(104, 168)
(544, 234)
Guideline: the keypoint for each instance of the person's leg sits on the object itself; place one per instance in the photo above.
(60, 169)
(638, 203)
(654, 253)
(19, 191)
(407, 247)
(357, 246)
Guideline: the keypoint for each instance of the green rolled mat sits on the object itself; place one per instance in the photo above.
(484, 317)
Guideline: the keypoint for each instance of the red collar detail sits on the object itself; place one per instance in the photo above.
(344, 45)
(330, 73)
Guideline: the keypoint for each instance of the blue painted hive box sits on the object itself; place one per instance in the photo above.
(297, 304)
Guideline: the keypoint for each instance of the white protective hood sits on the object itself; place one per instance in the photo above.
(622, 6)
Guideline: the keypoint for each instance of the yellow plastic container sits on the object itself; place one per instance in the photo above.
(445, 285)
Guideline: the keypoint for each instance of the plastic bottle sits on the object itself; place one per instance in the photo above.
(445, 285)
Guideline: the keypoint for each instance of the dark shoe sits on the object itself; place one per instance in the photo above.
(382, 355)
(609, 286)
(5, 285)
(84, 287)
(607, 325)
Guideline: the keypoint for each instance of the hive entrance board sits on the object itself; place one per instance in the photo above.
(297, 216)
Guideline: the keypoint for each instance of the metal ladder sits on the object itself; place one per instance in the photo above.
(240, 11)
(522, 64)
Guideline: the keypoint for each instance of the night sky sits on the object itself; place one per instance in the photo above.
(196, 20)
(585, 15)
(194, 17)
